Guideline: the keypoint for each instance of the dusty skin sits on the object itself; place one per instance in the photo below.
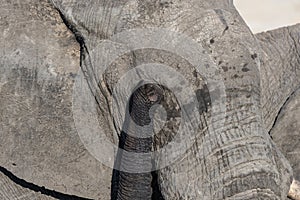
(244, 146)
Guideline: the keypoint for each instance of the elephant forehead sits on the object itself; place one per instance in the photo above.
(90, 17)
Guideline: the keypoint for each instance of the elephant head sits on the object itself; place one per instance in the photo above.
(201, 49)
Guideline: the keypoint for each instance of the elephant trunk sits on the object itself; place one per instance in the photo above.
(133, 181)
(127, 185)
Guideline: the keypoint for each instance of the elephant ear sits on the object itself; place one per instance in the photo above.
(280, 69)
(280, 81)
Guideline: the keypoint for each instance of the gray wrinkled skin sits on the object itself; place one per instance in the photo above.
(140, 103)
(40, 59)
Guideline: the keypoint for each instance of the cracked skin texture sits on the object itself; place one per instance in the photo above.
(39, 59)
(37, 74)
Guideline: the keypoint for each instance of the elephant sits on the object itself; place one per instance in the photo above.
(215, 100)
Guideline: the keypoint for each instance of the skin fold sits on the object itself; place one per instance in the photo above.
(217, 140)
